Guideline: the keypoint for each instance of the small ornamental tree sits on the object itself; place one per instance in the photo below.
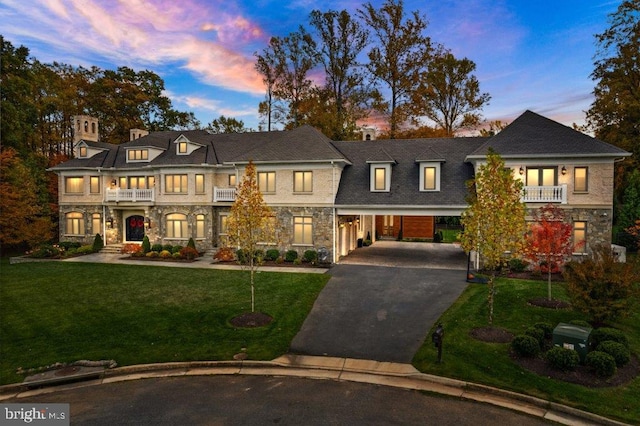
(494, 222)
(602, 287)
(250, 222)
(549, 241)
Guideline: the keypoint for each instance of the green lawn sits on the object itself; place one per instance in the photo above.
(64, 312)
(471, 360)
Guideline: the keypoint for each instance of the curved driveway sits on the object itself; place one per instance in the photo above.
(382, 300)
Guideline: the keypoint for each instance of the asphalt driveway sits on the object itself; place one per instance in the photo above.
(380, 306)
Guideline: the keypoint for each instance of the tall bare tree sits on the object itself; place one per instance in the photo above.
(449, 94)
(400, 53)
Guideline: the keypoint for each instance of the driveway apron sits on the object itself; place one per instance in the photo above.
(381, 313)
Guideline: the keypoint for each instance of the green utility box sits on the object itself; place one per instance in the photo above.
(574, 337)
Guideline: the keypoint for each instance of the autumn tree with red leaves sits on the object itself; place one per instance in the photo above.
(548, 243)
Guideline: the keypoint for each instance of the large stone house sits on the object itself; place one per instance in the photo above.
(173, 185)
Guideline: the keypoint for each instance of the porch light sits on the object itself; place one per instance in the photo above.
(564, 170)
(109, 222)
(113, 183)
(521, 171)
(147, 223)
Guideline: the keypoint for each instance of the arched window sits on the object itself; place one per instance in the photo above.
(86, 126)
(93, 128)
(177, 225)
(78, 124)
(75, 223)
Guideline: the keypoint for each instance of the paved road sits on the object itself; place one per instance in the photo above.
(259, 400)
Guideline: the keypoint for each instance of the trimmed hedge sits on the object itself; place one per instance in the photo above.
(310, 256)
(290, 256)
(536, 333)
(562, 358)
(601, 363)
(525, 346)
(272, 254)
(618, 351)
(604, 334)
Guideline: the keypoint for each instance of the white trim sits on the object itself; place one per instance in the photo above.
(387, 177)
(430, 164)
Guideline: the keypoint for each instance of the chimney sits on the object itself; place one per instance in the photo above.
(137, 134)
(85, 128)
(369, 133)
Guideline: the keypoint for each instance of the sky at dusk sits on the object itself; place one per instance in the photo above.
(535, 55)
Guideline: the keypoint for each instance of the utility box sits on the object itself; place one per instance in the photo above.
(574, 337)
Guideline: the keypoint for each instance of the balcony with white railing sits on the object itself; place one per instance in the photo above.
(545, 194)
(224, 194)
(130, 195)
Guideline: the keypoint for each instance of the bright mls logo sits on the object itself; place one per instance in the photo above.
(39, 414)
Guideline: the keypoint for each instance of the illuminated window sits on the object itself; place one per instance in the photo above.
(96, 223)
(199, 184)
(579, 237)
(137, 182)
(303, 230)
(380, 179)
(580, 175)
(83, 151)
(302, 181)
(541, 176)
(94, 184)
(182, 147)
(267, 182)
(177, 225)
(75, 223)
(175, 184)
(137, 155)
(224, 226)
(74, 185)
(200, 226)
(232, 180)
(151, 181)
(123, 182)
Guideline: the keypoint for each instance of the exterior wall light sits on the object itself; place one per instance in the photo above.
(109, 222)
(521, 171)
(564, 170)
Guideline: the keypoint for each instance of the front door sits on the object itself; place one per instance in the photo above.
(135, 228)
(387, 229)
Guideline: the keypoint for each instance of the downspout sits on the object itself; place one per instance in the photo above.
(333, 192)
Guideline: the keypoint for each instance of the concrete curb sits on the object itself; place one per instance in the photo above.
(341, 369)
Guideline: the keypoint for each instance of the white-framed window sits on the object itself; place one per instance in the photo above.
(96, 223)
(182, 148)
(75, 223)
(200, 223)
(176, 184)
(380, 177)
(134, 155)
(542, 176)
(83, 152)
(224, 224)
(122, 182)
(267, 182)
(199, 184)
(137, 182)
(303, 230)
(151, 181)
(429, 176)
(580, 179)
(579, 237)
(233, 180)
(94, 184)
(302, 181)
(177, 225)
(74, 185)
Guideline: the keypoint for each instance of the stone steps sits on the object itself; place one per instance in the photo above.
(112, 249)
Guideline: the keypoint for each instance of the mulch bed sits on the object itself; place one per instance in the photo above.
(251, 320)
(543, 302)
(492, 334)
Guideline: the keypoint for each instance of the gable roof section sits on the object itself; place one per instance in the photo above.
(354, 188)
(532, 135)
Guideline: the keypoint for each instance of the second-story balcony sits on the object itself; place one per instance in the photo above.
(224, 195)
(130, 195)
(545, 194)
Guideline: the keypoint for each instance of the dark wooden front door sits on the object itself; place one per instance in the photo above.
(134, 228)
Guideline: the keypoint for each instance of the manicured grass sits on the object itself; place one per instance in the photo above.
(64, 312)
(471, 360)
(450, 235)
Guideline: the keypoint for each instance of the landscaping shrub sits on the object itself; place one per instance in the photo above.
(546, 328)
(536, 333)
(191, 244)
(310, 256)
(176, 249)
(131, 248)
(603, 364)
(189, 253)
(272, 254)
(224, 254)
(562, 358)
(152, 254)
(517, 265)
(146, 245)
(618, 351)
(165, 254)
(242, 256)
(437, 237)
(168, 247)
(98, 244)
(280, 260)
(291, 256)
(297, 261)
(68, 245)
(525, 346)
(176, 256)
(258, 256)
(45, 251)
(604, 334)
(156, 248)
(85, 250)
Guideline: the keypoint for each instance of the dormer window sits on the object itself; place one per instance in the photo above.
(137, 155)
(182, 147)
(429, 176)
(380, 177)
(83, 152)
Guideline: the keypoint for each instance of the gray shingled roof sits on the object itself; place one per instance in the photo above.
(532, 135)
(354, 189)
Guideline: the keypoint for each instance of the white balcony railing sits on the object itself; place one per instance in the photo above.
(224, 194)
(131, 195)
(545, 194)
